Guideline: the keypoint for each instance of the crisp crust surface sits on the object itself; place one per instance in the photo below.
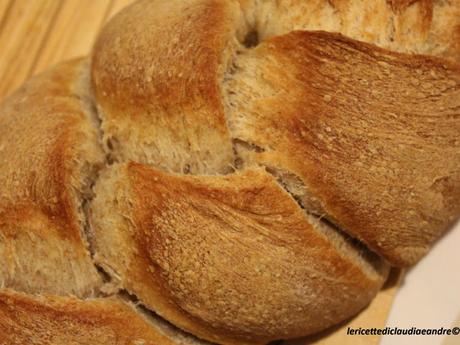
(160, 98)
(47, 149)
(198, 250)
(373, 135)
(53, 320)
(249, 167)
(429, 27)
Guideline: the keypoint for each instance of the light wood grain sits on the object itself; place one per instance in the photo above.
(22, 36)
(4, 6)
(73, 32)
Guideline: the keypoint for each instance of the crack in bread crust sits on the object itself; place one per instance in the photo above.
(227, 78)
(48, 319)
(40, 310)
(175, 242)
(41, 220)
(294, 186)
(339, 113)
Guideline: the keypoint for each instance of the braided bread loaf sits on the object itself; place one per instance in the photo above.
(224, 166)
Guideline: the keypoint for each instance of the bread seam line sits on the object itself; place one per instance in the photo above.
(250, 41)
(359, 248)
(112, 285)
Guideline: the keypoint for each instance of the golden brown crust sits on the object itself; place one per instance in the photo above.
(156, 72)
(411, 26)
(53, 320)
(362, 136)
(47, 150)
(373, 135)
(399, 5)
(418, 26)
(197, 250)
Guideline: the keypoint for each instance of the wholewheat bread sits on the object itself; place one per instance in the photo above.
(246, 170)
(217, 241)
(49, 155)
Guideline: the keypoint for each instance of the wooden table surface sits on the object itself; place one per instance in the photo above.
(35, 34)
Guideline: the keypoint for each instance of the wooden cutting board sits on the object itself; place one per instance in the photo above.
(35, 34)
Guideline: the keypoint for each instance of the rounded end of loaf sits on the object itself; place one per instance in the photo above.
(231, 259)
